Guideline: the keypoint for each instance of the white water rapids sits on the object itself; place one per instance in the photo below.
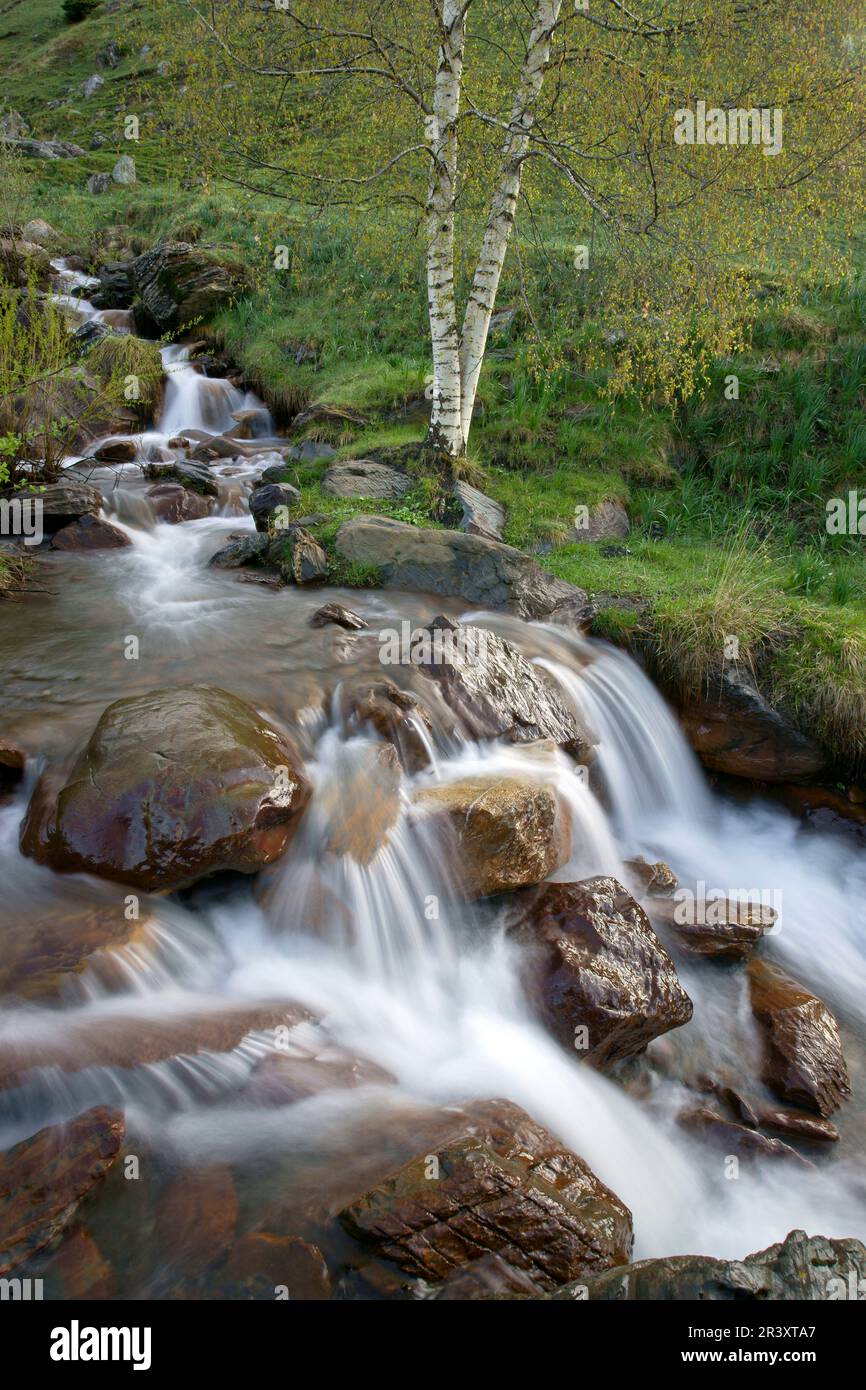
(436, 1000)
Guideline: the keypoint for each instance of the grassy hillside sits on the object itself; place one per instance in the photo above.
(726, 496)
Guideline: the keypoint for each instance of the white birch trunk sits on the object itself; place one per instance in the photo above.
(479, 309)
(445, 416)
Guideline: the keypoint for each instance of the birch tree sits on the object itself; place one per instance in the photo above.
(477, 111)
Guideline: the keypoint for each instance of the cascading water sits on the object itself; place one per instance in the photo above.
(392, 968)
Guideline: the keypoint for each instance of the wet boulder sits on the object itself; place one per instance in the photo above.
(798, 1268)
(503, 832)
(733, 729)
(43, 1180)
(450, 563)
(494, 691)
(803, 1060)
(173, 785)
(197, 477)
(596, 970)
(500, 1184)
(732, 1138)
(174, 503)
(90, 533)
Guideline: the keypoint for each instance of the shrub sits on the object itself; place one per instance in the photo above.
(76, 10)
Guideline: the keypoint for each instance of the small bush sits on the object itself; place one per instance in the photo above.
(76, 10)
(117, 360)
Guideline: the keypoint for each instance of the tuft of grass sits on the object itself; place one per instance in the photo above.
(122, 360)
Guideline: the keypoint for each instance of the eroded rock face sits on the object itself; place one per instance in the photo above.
(803, 1060)
(451, 563)
(799, 1267)
(505, 1186)
(735, 730)
(595, 962)
(495, 692)
(173, 785)
(732, 1138)
(90, 533)
(44, 1178)
(178, 283)
(505, 833)
(303, 561)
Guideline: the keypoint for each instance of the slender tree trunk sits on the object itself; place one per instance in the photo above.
(479, 309)
(445, 416)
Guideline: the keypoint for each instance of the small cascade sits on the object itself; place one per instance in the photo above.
(194, 401)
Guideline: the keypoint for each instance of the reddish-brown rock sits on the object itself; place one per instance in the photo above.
(196, 1218)
(173, 503)
(594, 962)
(734, 729)
(43, 1180)
(736, 1139)
(503, 1184)
(173, 785)
(803, 1060)
(90, 533)
(266, 1266)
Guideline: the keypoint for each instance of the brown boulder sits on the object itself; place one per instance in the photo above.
(735, 730)
(500, 1183)
(803, 1060)
(173, 785)
(798, 1126)
(121, 1041)
(90, 533)
(506, 833)
(173, 503)
(595, 963)
(43, 1179)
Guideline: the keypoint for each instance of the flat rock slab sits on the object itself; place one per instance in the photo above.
(480, 514)
(43, 1180)
(450, 563)
(365, 478)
